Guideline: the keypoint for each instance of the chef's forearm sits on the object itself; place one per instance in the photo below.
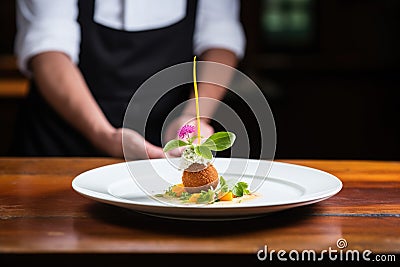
(62, 85)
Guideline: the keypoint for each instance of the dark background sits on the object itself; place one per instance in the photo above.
(329, 69)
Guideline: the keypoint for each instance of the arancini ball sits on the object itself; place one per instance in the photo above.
(195, 182)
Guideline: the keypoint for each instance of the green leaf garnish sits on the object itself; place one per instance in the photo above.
(203, 151)
(224, 188)
(185, 196)
(220, 141)
(240, 189)
(191, 139)
(174, 144)
(206, 196)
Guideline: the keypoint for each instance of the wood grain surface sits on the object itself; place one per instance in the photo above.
(40, 213)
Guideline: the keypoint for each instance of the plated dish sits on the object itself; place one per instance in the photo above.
(135, 185)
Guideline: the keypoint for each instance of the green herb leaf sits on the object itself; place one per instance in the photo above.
(240, 189)
(191, 139)
(203, 151)
(220, 141)
(185, 196)
(223, 185)
(174, 144)
(206, 196)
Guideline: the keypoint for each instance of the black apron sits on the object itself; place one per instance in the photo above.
(114, 64)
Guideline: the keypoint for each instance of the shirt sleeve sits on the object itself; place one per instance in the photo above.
(218, 25)
(44, 25)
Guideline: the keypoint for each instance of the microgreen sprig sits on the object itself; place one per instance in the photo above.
(216, 142)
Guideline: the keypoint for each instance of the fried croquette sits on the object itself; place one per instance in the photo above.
(194, 182)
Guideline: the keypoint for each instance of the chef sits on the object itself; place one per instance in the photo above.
(85, 59)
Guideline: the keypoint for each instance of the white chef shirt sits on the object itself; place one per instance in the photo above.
(51, 25)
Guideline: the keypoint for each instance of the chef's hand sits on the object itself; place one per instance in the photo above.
(129, 143)
(172, 131)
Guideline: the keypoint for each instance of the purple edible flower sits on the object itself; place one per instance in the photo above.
(185, 130)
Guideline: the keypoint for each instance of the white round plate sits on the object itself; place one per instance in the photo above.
(285, 186)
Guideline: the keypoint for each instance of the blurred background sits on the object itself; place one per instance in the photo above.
(328, 68)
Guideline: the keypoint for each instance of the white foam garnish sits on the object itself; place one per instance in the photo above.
(189, 157)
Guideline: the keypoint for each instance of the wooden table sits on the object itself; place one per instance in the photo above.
(43, 219)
